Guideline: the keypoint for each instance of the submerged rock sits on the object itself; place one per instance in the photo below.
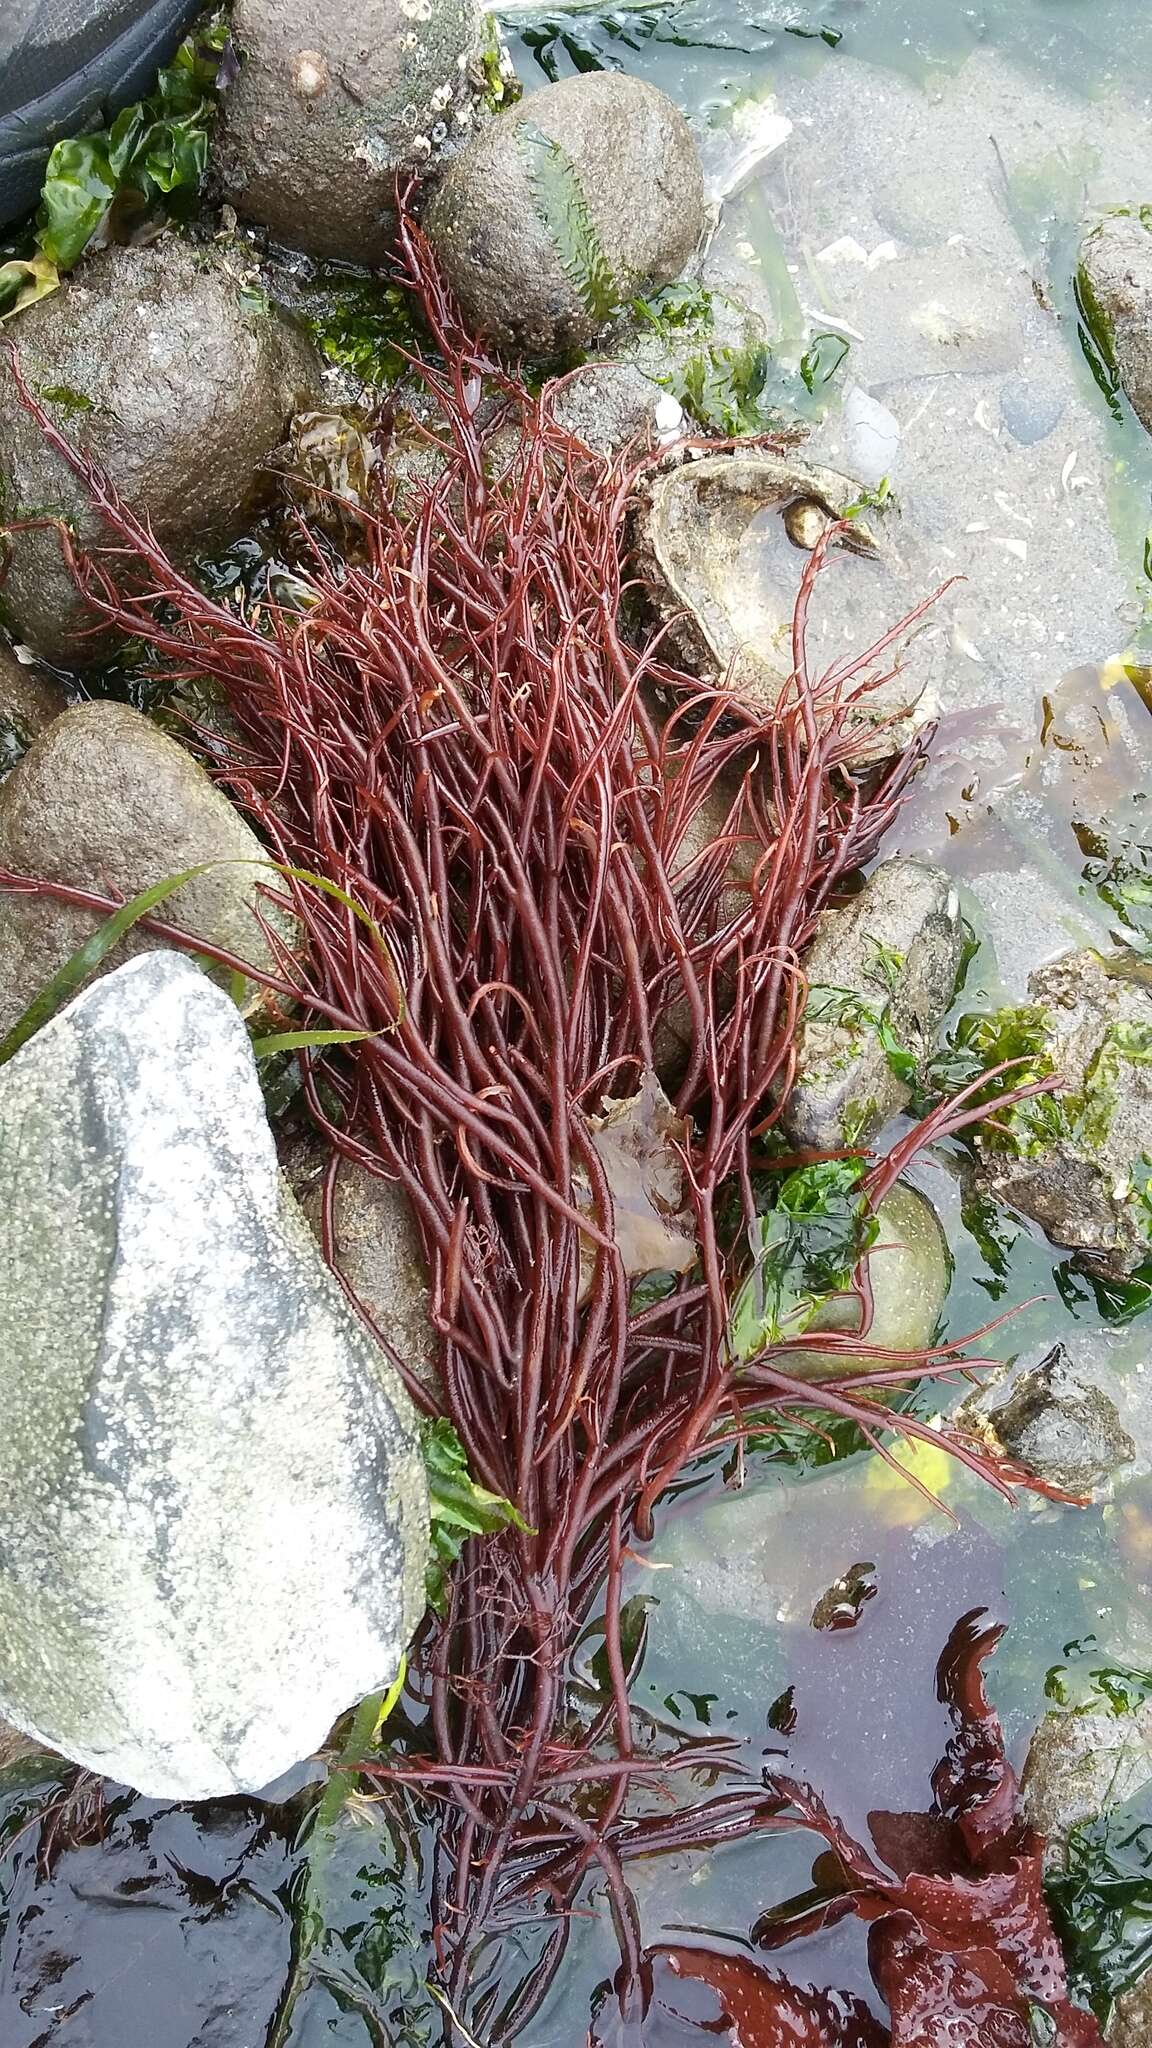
(565, 209)
(177, 381)
(886, 964)
(910, 1269)
(723, 545)
(1115, 284)
(29, 700)
(213, 1516)
(330, 103)
(105, 801)
(1079, 1177)
(1131, 2022)
(1043, 1416)
(1082, 1760)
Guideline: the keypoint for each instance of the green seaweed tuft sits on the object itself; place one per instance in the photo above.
(561, 206)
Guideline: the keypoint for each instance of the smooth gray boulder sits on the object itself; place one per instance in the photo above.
(1079, 1179)
(178, 380)
(1042, 1415)
(563, 210)
(1115, 287)
(890, 957)
(331, 102)
(213, 1513)
(105, 801)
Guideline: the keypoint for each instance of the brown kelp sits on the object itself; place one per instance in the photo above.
(961, 1947)
(476, 783)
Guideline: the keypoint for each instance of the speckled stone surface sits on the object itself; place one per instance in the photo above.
(634, 167)
(1044, 1415)
(913, 911)
(1081, 1762)
(1116, 284)
(104, 800)
(213, 1517)
(1080, 1188)
(178, 381)
(331, 102)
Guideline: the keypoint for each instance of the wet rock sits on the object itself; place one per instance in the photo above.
(29, 700)
(723, 544)
(1030, 410)
(626, 394)
(180, 384)
(105, 801)
(376, 1250)
(213, 1517)
(161, 1927)
(1082, 1760)
(1131, 2022)
(609, 404)
(1115, 284)
(330, 103)
(1080, 1187)
(1042, 1415)
(890, 957)
(910, 1268)
(565, 209)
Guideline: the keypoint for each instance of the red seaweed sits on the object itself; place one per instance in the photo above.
(459, 735)
(700, 1994)
(960, 1944)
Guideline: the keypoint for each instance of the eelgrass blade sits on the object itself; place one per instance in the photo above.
(88, 957)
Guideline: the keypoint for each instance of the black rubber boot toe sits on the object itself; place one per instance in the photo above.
(65, 65)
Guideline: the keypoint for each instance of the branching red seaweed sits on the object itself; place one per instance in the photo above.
(961, 1947)
(458, 731)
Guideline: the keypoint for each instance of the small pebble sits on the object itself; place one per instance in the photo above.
(804, 522)
(871, 436)
(1030, 412)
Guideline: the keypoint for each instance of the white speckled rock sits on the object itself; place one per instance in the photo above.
(213, 1517)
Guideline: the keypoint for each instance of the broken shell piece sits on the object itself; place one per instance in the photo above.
(723, 545)
(637, 1140)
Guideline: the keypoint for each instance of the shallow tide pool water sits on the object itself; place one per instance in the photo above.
(912, 175)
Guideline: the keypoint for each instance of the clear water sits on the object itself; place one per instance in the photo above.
(958, 148)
